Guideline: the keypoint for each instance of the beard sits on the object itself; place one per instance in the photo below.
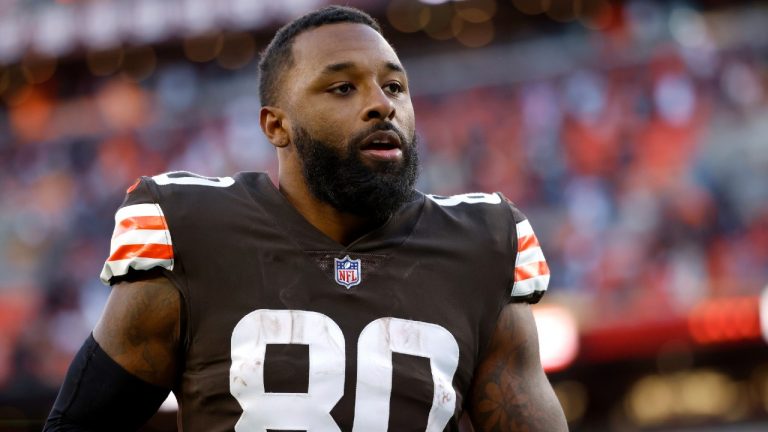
(341, 178)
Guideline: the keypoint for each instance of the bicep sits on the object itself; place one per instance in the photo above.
(140, 329)
(510, 391)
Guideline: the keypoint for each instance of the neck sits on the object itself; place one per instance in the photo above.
(343, 228)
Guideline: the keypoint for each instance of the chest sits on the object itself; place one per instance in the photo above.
(366, 341)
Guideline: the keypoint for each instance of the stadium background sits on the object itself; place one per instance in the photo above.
(633, 133)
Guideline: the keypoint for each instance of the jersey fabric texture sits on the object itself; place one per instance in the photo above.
(285, 329)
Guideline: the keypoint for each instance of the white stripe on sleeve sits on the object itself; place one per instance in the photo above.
(524, 229)
(134, 210)
(120, 267)
(529, 286)
(140, 236)
(529, 256)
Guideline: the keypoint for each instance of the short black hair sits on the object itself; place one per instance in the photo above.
(277, 57)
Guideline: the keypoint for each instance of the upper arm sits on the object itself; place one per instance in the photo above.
(510, 391)
(140, 329)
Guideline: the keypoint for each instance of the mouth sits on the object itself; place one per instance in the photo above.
(382, 145)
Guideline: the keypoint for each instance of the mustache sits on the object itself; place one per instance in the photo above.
(358, 138)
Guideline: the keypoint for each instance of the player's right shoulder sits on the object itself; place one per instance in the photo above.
(141, 239)
(177, 195)
(179, 179)
(156, 211)
(177, 184)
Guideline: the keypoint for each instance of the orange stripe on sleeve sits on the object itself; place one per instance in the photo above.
(140, 222)
(531, 270)
(527, 242)
(156, 251)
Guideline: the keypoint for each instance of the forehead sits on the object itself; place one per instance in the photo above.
(344, 42)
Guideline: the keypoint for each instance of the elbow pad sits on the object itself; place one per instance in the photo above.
(99, 395)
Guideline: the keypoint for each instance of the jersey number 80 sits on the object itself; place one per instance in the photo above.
(311, 410)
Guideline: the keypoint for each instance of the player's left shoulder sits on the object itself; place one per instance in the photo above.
(179, 179)
(477, 216)
(497, 223)
(466, 198)
(480, 207)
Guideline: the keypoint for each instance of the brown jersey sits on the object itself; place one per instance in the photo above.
(285, 329)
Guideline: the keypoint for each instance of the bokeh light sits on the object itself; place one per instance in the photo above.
(442, 24)
(30, 112)
(574, 398)
(475, 35)
(203, 48)
(238, 49)
(139, 63)
(37, 69)
(476, 11)
(558, 336)
(5, 79)
(408, 16)
(564, 10)
(532, 7)
(597, 14)
(105, 62)
(699, 393)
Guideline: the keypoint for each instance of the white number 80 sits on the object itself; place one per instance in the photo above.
(311, 411)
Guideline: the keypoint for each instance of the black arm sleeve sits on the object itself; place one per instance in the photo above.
(99, 395)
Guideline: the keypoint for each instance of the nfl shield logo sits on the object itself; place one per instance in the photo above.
(347, 271)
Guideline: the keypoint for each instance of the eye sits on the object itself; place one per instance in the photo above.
(343, 89)
(394, 88)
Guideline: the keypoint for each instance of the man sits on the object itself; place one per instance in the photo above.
(344, 300)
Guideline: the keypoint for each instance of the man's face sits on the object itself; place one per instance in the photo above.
(351, 119)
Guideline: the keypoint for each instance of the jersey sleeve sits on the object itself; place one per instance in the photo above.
(531, 272)
(141, 240)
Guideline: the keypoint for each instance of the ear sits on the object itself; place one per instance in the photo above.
(274, 124)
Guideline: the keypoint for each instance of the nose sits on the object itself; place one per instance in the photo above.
(380, 106)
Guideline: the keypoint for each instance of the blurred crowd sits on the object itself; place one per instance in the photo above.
(647, 183)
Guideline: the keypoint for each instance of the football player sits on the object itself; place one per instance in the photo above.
(340, 300)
